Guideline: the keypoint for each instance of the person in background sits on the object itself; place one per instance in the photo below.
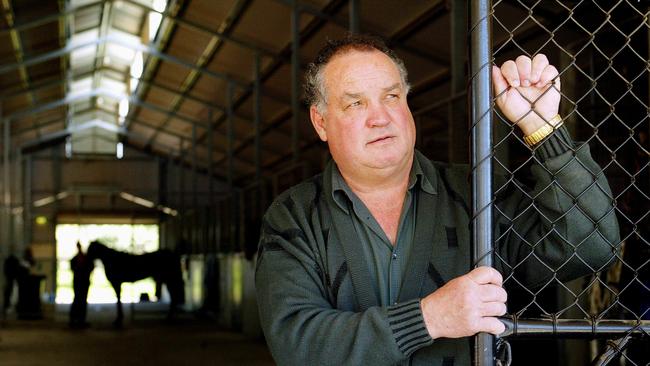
(81, 267)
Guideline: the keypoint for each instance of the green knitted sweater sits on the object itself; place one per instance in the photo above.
(315, 303)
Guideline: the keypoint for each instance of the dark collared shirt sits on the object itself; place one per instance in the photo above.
(387, 263)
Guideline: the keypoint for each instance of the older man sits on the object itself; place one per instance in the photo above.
(367, 263)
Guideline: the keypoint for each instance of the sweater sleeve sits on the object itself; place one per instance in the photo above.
(566, 226)
(301, 325)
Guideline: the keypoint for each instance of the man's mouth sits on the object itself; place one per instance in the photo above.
(380, 139)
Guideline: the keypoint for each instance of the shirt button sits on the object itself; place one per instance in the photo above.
(394, 255)
(395, 303)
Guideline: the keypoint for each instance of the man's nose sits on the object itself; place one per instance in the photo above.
(377, 115)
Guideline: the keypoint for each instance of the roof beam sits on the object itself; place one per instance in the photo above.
(103, 92)
(148, 48)
(51, 18)
(17, 46)
(207, 55)
(160, 42)
(309, 30)
(104, 26)
(166, 15)
(50, 83)
(220, 34)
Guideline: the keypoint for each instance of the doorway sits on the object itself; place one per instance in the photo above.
(131, 238)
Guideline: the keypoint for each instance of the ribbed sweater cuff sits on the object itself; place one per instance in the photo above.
(408, 326)
(555, 144)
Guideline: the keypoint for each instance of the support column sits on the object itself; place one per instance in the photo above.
(4, 239)
(257, 116)
(27, 200)
(481, 114)
(230, 134)
(257, 207)
(355, 24)
(6, 186)
(181, 197)
(457, 118)
(195, 201)
(210, 147)
(211, 227)
(233, 220)
(295, 79)
(18, 187)
(161, 198)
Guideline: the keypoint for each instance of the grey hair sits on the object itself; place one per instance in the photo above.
(314, 88)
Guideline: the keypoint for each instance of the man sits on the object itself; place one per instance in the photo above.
(366, 264)
(82, 267)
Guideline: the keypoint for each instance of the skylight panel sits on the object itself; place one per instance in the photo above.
(114, 86)
(155, 17)
(81, 86)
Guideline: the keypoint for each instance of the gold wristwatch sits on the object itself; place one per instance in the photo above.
(543, 131)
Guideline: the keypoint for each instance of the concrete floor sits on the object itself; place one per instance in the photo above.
(144, 340)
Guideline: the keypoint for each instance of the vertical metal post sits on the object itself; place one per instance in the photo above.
(6, 183)
(211, 217)
(3, 222)
(355, 24)
(230, 133)
(57, 183)
(257, 207)
(163, 166)
(181, 191)
(257, 117)
(295, 79)
(27, 200)
(232, 221)
(210, 142)
(18, 188)
(457, 123)
(418, 131)
(481, 155)
(195, 200)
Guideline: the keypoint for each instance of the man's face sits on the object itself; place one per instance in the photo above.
(367, 123)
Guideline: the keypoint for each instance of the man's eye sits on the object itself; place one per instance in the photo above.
(354, 104)
(392, 96)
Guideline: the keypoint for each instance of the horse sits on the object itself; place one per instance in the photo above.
(163, 265)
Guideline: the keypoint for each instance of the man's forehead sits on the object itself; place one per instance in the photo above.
(348, 67)
(359, 58)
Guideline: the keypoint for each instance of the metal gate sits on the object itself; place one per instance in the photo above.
(601, 51)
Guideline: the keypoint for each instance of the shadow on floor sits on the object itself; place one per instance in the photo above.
(145, 340)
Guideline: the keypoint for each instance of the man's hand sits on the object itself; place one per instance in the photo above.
(466, 305)
(527, 91)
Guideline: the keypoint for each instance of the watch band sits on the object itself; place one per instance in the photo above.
(544, 131)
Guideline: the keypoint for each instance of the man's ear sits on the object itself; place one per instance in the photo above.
(318, 122)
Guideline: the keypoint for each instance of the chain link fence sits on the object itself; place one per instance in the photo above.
(601, 51)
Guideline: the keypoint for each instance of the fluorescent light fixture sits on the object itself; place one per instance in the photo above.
(146, 203)
(137, 66)
(119, 150)
(155, 18)
(137, 200)
(159, 5)
(68, 147)
(124, 107)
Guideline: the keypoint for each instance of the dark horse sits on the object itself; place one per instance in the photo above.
(163, 265)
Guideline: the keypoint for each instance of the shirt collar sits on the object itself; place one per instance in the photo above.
(343, 194)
